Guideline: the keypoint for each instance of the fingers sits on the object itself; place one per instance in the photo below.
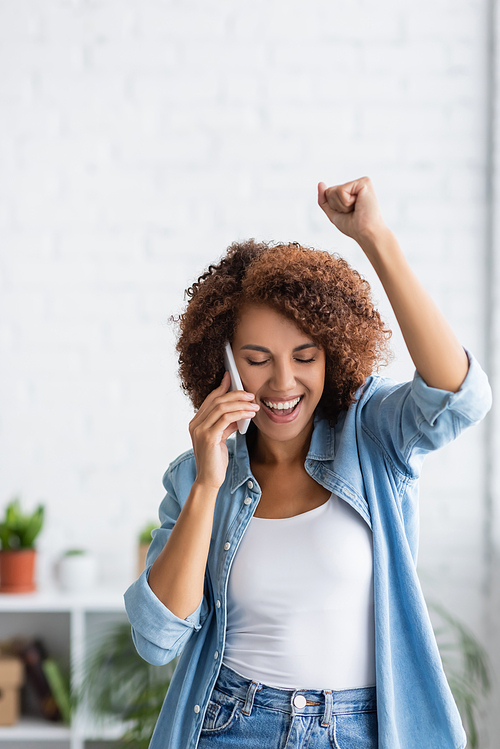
(341, 198)
(225, 413)
(218, 425)
(321, 194)
(228, 431)
(219, 391)
(219, 403)
(224, 386)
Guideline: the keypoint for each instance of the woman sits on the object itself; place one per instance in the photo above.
(284, 568)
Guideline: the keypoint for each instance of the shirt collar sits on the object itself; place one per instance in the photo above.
(321, 447)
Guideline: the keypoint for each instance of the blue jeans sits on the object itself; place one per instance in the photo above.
(245, 714)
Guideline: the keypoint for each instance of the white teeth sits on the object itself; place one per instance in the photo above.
(282, 406)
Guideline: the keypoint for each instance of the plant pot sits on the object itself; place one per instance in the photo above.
(141, 557)
(77, 572)
(17, 570)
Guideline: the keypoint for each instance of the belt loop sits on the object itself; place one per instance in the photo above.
(328, 707)
(247, 708)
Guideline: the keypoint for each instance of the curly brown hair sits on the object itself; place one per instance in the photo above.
(326, 298)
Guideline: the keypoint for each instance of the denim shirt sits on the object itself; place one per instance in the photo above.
(371, 458)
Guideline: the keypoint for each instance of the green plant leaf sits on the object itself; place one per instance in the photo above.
(19, 531)
(145, 534)
(33, 527)
(466, 665)
(119, 683)
(12, 513)
(4, 535)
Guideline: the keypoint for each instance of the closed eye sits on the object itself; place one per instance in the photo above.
(259, 363)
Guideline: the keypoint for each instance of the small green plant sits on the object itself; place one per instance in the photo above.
(145, 534)
(19, 531)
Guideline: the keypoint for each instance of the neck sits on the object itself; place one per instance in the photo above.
(266, 451)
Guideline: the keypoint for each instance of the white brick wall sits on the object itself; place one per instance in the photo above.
(137, 141)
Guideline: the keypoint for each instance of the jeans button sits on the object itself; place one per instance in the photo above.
(299, 701)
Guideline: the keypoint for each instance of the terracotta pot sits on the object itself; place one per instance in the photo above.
(141, 557)
(17, 569)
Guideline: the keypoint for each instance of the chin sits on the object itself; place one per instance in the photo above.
(283, 432)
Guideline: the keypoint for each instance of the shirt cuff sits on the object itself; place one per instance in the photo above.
(152, 619)
(470, 403)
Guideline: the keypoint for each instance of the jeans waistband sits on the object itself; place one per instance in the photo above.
(296, 701)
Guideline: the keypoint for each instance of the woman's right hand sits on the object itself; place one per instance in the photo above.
(214, 422)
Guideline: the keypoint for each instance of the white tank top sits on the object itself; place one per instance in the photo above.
(300, 601)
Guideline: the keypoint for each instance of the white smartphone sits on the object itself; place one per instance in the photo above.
(236, 383)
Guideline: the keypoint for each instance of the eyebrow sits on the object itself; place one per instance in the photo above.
(267, 351)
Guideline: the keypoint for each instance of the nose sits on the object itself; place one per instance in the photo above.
(282, 378)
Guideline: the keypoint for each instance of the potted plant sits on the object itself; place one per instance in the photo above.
(17, 556)
(77, 571)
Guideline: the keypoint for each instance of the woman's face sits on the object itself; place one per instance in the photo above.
(282, 366)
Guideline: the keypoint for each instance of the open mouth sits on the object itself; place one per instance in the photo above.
(282, 408)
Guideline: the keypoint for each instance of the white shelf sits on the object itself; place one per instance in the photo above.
(29, 729)
(103, 732)
(69, 624)
(100, 599)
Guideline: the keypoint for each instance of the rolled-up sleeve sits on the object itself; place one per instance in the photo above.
(468, 405)
(159, 635)
(410, 419)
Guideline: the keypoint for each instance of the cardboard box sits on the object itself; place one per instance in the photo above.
(11, 678)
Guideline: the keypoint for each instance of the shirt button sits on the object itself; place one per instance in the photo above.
(299, 701)
(227, 546)
(197, 708)
(216, 654)
(250, 484)
(247, 500)
(217, 603)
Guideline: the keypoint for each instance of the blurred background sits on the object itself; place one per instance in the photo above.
(138, 140)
